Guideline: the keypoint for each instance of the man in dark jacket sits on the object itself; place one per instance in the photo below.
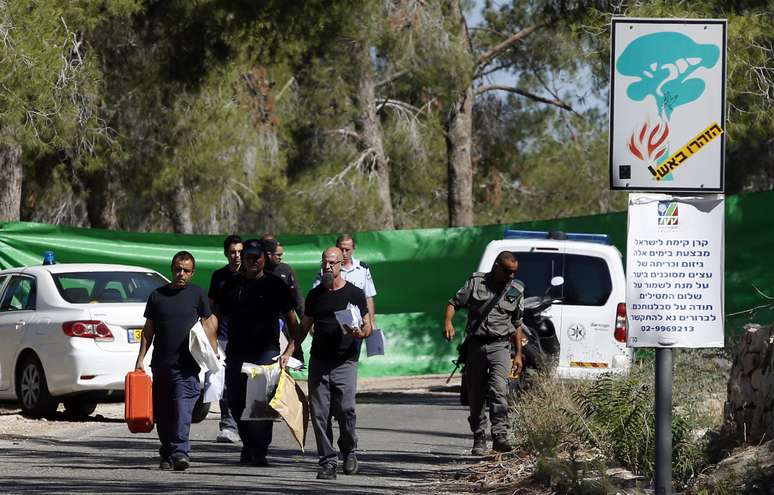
(253, 303)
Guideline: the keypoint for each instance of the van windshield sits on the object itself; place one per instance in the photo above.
(107, 287)
(587, 280)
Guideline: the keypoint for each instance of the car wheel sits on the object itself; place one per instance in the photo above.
(79, 409)
(201, 410)
(32, 390)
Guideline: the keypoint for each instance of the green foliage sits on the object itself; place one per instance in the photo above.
(250, 107)
(620, 413)
(612, 419)
(48, 77)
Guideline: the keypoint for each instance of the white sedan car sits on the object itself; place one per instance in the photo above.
(69, 333)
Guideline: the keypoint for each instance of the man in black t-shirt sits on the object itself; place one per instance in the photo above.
(274, 265)
(253, 304)
(333, 362)
(232, 248)
(170, 313)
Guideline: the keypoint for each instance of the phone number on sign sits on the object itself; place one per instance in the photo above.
(666, 328)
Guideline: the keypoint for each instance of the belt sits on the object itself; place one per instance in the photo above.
(490, 339)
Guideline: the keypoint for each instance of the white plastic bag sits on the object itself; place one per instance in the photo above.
(201, 350)
(214, 383)
(213, 387)
(262, 381)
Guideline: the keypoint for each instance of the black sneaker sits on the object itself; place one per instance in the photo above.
(479, 445)
(180, 463)
(245, 457)
(165, 464)
(500, 443)
(327, 472)
(350, 463)
(260, 461)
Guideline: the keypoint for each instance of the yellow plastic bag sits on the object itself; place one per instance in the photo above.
(291, 404)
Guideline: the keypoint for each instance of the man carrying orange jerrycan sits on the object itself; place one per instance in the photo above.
(170, 313)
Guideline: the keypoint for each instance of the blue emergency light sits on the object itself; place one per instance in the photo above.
(565, 236)
(48, 258)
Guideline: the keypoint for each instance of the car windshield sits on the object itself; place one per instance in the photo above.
(107, 287)
(587, 280)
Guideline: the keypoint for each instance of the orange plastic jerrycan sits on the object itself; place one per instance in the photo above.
(138, 405)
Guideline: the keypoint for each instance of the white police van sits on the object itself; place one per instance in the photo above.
(590, 315)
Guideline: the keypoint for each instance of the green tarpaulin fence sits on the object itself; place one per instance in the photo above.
(416, 271)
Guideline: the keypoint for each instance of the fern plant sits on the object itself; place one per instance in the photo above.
(618, 415)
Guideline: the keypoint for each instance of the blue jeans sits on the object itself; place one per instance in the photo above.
(256, 435)
(175, 392)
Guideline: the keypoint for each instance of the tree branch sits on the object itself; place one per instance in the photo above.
(491, 70)
(391, 78)
(382, 102)
(526, 94)
(344, 132)
(488, 55)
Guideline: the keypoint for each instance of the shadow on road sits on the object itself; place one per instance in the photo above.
(395, 398)
(403, 453)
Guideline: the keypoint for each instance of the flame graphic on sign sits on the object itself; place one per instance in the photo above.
(649, 144)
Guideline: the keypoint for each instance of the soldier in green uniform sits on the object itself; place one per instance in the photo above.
(495, 301)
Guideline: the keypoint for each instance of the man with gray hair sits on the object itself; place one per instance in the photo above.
(333, 362)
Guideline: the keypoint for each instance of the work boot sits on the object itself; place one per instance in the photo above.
(500, 443)
(326, 472)
(180, 463)
(479, 445)
(350, 463)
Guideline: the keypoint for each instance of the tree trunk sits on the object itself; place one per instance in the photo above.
(100, 205)
(459, 140)
(10, 183)
(371, 134)
(180, 211)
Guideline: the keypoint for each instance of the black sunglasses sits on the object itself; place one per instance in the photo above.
(506, 271)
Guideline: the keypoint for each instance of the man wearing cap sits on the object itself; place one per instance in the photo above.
(253, 302)
(333, 362)
(495, 302)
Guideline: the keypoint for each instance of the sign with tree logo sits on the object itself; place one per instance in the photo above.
(667, 101)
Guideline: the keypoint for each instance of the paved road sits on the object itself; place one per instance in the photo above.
(407, 441)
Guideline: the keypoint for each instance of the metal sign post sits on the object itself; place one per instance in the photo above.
(663, 421)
